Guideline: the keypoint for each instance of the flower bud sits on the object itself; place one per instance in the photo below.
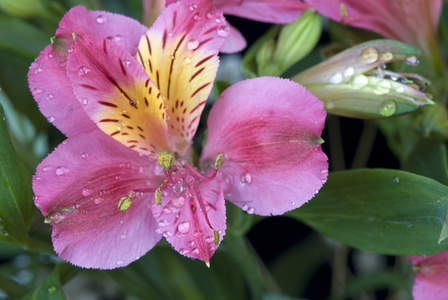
(278, 50)
(355, 83)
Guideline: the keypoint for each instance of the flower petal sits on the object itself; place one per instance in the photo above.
(188, 219)
(118, 95)
(431, 281)
(78, 187)
(53, 93)
(48, 81)
(268, 131)
(269, 11)
(179, 54)
(235, 41)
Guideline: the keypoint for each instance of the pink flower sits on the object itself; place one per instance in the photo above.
(120, 102)
(431, 281)
(413, 22)
(269, 11)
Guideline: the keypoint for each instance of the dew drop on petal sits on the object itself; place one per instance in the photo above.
(195, 251)
(51, 119)
(85, 101)
(359, 81)
(209, 240)
(293, 203)
(193, 44)
(187, 60)
(382, 87)
(223, 30)
(388, 108)
(167, 234)
(163, 223)
(386, 56)
(210, 14)
(192, 7)
(183, 251)
(83, 71)
(126, 62)
(61, 170)
(336, 78)
(349, 72)
(101, 19)
(250, 210)
(167, 211)
(37, 91)
(84, 155)
(246, 178)
(87, 192)
(184, 227)
(244, 207)
(46, 168)
(50, 96)
(197, 233)
(191, 243)
(197, 16)
(38, 70)
(369, 55)
(189, 180)
(119, 262)
(178, 202)
(122, 237)
(98, 200)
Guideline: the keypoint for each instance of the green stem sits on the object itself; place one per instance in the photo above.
(365, 145)
(335, 141)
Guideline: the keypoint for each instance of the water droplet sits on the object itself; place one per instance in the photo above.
(178, 202)
(84, 155)
(167, 234)
(187, 60)
(209, 240)
(349, 72)
(386, 56)
(329, 105)
(382, 87)
(52, 289)
(183, 251)
(61, 170)
(37, 91)
(244, 207)
(191, 243)
(190, 180)
(87, 192)
(167, 211)
(184, 227)
(195, 251)
(193, 44)
(246, 178)
(336, 78)
(50, 96)
(210, 14)
(359, 81)
(119, 262)
(51, 119)
(83, 71)
(369, 55)
(118, 38)
(122, 237)
(251, 210)
(37, 178)
(388, 108)
(46, 168)
(223, 30)
(98, 200)
(293, 203)
(412, 60)
(121, 222)
(101, 19)
(117, 178)
(192, 7)
(163, 223)
(38, 70)
(396, 180)
(126, 62)
(188, 194)
(197, 233)
(197, 16)
(219, 19)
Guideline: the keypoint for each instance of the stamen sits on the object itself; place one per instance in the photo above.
(218, 161)
(158, 196)
(215, 237)
(165, 159)
(124, 204)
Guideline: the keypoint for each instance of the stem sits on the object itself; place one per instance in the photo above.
(335, 142)
(365, 145)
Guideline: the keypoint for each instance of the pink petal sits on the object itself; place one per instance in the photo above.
(269, 11)
(268, 129)
(117, 95)
(78, 187)
(410, 22)
(235, 41)
(431, 281)
(180, 55)
(53, 93)
(47, 76)
(183, 219)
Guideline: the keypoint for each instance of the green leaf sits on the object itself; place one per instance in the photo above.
(384, 211)
(50, 289)
(19, 37)
(16, 195)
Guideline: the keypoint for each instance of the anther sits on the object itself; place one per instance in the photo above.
(215, 237)
(343, 11)
(158, 196)
(218, 161)
(124, 204)
(165, 159)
